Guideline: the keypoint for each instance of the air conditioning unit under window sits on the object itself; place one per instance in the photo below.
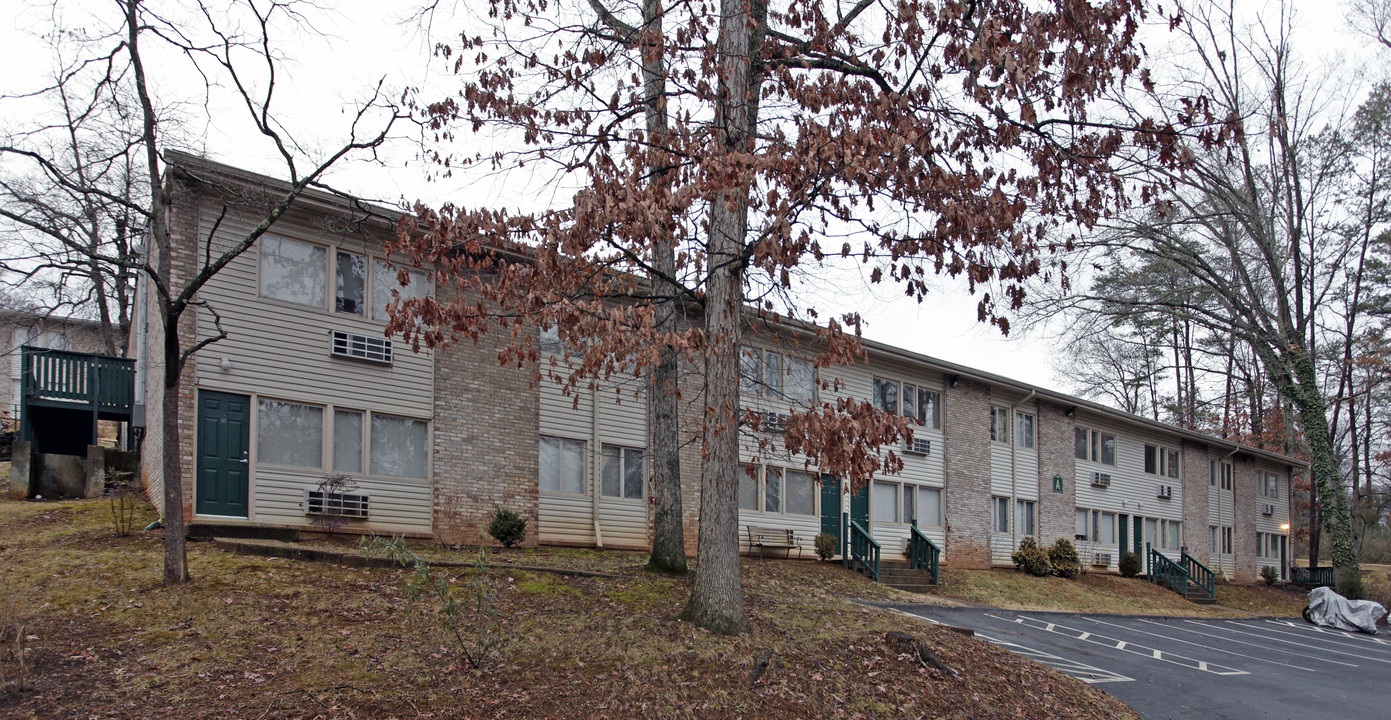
(362, 347)
(1166, 491)
(774, 422)
(1101, 479)
(919, 446)
(318, 502)
(1267, 509)
(1101, 559)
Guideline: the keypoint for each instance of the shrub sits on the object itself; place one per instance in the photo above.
(463, 615)
(123, 497)
(332, 519)
(1031, 558)
(1063, 556)
(1130, 564)
(1269, 575)
(507, 527)
(825, 545)
(1350, 584)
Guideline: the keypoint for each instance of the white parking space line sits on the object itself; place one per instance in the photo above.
(1089, 674)
(1134, 648)
(1301, 643)
(1342, 637)
(1170, 638)
(1207, 632)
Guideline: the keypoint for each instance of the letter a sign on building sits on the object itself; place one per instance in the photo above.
(1057, 483)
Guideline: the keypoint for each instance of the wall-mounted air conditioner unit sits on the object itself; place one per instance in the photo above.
(361, 347)
(1166, 491)
(774, 422)
(1267, 509)
(919, 446)
(318, 502)
(1101, 479)
(1101, 559)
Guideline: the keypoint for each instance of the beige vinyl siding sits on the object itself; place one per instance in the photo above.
(1013, 474)
(1221, 512)
(283, 349)
(1132, 491)
(1271, 524)
(621, 407)
(395, 505)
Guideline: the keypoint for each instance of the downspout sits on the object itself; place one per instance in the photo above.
(598, 468)
(1014, 469)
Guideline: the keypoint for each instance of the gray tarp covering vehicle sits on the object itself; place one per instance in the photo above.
(1330, 609)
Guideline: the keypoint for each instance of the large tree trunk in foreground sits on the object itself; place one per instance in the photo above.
(717, 600)
(1323, 466)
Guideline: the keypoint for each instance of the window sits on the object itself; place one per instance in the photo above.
(1105, 526)
(884, 502)
(748, 487)
(1025, 516)
(1083, 525)
(1161, 461)
(999, 424)
(1163, 534)
(1000, 507)
(772, 490)
(913, 401)
(623, 472)
(384, 282)
(1267, 545)
(1212, 478)
(776, 490)
(929, 506)
(1272, 486)
(561, 466)
(772, 375)
(1228, 474)
(1024, 431)
(1212, 536)
(292, 271)
(400, 447)
(350, 284)
(289, 434)
(1093, 445)
(799, 493)
(1227, 539)
(347, 441)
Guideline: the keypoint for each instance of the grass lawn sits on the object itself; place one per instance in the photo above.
(1103, 593)
(256, 637)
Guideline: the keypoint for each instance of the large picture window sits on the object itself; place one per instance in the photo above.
(289, 434)
(292, 271)
(400, 446)
(561, 466)
(623, 472)
(347, 441)
(764, 373)
(1161, 461)
(1095, 446)
(912, 401)
(776, 490)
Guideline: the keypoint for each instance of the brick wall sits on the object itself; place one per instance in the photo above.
(1196, 536)
(968, 474)
(1244, 519)
(691, 419)
(485, 448)
(1056, 511)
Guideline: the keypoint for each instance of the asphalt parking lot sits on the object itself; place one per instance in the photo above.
(1190, 668)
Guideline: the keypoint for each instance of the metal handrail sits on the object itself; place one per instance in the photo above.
(1162, 569)
(924, 554)
(1199, 573)
(864, 551)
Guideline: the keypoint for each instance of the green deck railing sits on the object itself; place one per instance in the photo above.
(924, 554)
(1160, 569)
(1312, 577)
(101, 381)
(1199, 574)
(864, 551)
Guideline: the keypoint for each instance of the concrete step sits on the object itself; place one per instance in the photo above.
(920, 588)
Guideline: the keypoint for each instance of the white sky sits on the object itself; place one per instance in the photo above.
(365, 43)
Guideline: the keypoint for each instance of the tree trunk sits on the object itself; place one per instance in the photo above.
(668, 528)
(717, 601)
(1323, 465)
(175, 552)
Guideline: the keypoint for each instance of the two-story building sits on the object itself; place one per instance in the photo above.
(307, 385)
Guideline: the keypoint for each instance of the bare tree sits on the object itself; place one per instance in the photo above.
(233, 51)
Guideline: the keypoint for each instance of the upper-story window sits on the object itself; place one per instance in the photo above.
(999, 424)
(1094, 445)
(292, 271)
(1271, 487)
(1161, 461)
(1024, 431)
(296, 272)
(913, 401)
(773, 375)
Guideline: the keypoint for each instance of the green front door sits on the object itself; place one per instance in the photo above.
(224, 432)
(830, 509)
(1125, 534)
(859, 506)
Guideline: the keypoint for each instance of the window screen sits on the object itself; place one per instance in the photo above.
(347, 441)
(885, 497)
(292, 271)
(800, 496)
(400, 446)
(289, 434)
(384, 282)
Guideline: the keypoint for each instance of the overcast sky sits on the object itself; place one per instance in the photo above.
(365, 42)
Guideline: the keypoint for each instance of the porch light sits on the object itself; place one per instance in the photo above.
(226, 364)
(1285, 527)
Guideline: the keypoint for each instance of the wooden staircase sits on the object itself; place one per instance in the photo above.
(898, 575)
(1198, 594)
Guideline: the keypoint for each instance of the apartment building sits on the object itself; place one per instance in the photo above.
(307, 385)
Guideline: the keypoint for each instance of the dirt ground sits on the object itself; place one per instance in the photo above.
(258, 637)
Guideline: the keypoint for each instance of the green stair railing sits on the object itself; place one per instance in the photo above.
(1199, 574)
(1160, 569)
(1312, 577)
(101, 381)
(864, 551)
(924, 554)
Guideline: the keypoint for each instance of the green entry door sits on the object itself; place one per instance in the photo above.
(224, 432)
(830, 505)
(859, 506)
